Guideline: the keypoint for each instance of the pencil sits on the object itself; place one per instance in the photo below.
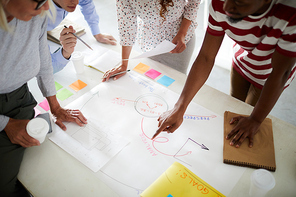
(80, 39)
(117, 74)
(94, 68)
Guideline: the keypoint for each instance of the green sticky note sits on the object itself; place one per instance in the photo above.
(64, 94)
(57, 86)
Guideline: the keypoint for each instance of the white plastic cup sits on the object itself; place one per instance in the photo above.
(38, 128)
(77, 59)
(262, 181)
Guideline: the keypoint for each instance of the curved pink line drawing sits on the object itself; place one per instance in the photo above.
(165, 141)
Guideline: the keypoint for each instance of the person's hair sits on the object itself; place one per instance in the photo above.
(164, 4)
(51, 13)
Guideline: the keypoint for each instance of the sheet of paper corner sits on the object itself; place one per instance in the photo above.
(164, 47)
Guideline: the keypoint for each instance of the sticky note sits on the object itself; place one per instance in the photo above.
(37, 112)
(64, 94)
(152, 73)
(57, 86)
(165, 80)
(44, 104)
(141, 68)
(77, 85)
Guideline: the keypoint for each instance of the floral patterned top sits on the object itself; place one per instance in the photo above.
(140, 20)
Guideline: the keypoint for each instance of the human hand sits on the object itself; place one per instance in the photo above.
(179, 40)
(68, 41)
(113, 71)
(68, 115)
(105, 39)
(17, 133)
(169, 121)
(245, 127)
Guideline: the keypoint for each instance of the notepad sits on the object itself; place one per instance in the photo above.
(64, 94)
(44, 104)
(261, 155)
(78, 85)
(177, 181)
(54, 35)
(141, 68)
(152, 73)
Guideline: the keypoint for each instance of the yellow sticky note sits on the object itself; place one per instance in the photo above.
(178, 181)
(141, 68)
(77, 85)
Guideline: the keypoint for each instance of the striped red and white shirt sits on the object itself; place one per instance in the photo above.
(257, 37)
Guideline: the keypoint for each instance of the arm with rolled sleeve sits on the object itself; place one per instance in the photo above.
(3, 122)
(58, 61)
(90, 15)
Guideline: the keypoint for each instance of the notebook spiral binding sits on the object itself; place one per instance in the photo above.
(251, 165)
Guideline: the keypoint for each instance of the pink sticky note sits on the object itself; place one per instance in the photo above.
(37, 112)
(152, 73)
(44, 104)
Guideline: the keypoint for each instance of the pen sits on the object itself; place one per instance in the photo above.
(117, 74)
(94, 68)
(79, 39)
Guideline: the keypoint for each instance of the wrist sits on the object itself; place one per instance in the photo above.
(65, 54)
(256, 118)
(180, 107)
(53, 103)
(124, 64)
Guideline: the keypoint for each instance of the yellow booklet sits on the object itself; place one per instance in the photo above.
(179, 181)
(54, 35)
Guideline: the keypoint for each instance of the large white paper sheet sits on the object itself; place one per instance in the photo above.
(93, 144)
(102, 58)
(164, 47)
(130, 107)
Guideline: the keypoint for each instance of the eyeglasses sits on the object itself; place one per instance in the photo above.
(39, 4)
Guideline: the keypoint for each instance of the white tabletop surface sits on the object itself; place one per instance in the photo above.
(48, 170)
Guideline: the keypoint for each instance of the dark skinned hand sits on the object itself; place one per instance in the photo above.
(246, 127)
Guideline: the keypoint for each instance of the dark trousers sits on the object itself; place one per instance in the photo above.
(18, 104)
(242, 89)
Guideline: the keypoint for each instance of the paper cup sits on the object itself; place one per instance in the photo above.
(261, 182)
(77, 59)
(38, 128)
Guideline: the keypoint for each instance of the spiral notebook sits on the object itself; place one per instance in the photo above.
(54, 35)
(261, 155)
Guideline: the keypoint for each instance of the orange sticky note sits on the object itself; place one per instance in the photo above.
(77, 85)
(141, 68)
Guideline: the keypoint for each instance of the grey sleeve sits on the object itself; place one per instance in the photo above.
(3, 122)
(45, 76)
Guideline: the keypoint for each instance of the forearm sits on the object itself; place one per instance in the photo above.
(271, 92)
(184, 27)
(198, 75)
(200, 69)
(53, 103)
(126, 51)
(281, 69)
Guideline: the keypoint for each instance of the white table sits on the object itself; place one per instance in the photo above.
(50, 171)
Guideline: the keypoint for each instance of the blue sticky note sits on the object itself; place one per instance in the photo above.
(165, 80)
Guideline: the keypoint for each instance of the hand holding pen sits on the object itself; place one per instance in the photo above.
(68, 41)
(79, 38)
(114, 73)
